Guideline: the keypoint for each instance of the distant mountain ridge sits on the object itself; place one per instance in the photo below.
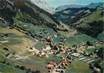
(68, 6)
(86, 19)
(68, 13)
(92, 5)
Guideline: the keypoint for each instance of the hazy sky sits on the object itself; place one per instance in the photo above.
(55, 3)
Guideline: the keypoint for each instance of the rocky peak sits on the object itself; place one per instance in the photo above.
(44, 5)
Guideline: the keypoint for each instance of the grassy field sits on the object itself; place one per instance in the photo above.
(9, 69)
(15, 40)
(78, 39)
(78, 67)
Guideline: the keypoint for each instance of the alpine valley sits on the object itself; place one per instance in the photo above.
(35, 38)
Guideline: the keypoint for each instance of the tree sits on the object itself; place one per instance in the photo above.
(100, 53)
(3, 4)
(89, 43)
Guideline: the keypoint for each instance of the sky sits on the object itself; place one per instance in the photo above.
(56, 3)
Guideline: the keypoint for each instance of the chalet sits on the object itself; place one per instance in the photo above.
(51, 65)
(81, 48)
(47, 48)
(60, 70)
(65, 63)
(75, 54)
(34, 50)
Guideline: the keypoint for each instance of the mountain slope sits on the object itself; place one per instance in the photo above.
(22, 25)
(85, 19)
(91, 23)
(71, 13)
(38, 15)
(31, 38)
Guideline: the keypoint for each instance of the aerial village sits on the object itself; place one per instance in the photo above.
(67, 54)
(84, 51)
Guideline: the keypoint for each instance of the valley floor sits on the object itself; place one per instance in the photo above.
(20, 53)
